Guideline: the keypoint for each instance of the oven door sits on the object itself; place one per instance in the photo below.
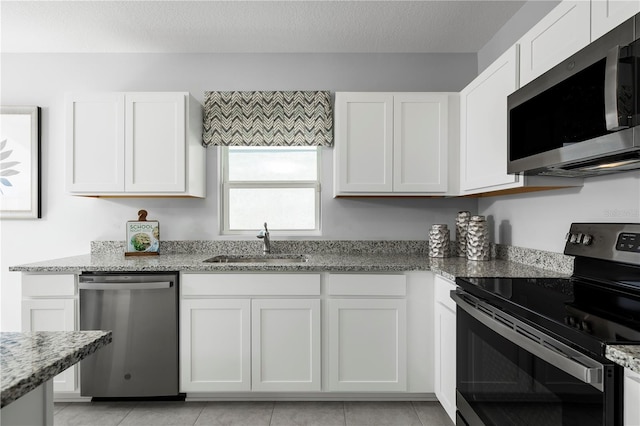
(509, 373)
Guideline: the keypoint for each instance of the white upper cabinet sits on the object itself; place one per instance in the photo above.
(364, 143)
(483, 127)
(564, 31)
(608, 14)
(420, 142)
(391, 143)
(134, 144)
(95, 142)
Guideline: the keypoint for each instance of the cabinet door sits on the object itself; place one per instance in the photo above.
(95, 142)
(483, 127)
(560, 34)
(445, 344)
(215, 338)
(367, 345)
(52, 315)
(608, 14)
(155, 142)
(420, 133)
(286, 345)
(364, 143)
(631, 398)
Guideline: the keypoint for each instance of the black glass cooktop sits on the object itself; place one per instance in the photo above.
(584, 315)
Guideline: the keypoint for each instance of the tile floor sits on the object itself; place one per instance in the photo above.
(325, 413)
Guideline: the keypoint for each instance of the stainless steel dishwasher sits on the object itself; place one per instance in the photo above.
(141, 309)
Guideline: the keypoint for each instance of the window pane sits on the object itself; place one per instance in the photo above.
(281, 208)
(255, 163)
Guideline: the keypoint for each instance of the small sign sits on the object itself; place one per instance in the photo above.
(143, 236)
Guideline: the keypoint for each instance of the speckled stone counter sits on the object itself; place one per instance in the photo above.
(30, 359)
(337, 256)
(627, 356)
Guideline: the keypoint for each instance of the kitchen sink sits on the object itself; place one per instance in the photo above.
(275, 258)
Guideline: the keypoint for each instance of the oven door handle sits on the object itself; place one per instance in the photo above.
(549, 349)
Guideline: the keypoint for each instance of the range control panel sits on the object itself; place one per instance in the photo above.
(628, 241)
(618, 242)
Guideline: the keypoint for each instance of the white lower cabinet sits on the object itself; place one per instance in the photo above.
(367, 345)
(631, 398)
(49, 304)
(445, 344)
(250, 332)
(285, 349)
(321, 333)
(367, 319)
(215, 345)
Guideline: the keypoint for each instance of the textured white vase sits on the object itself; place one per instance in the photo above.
(478, 239)
(462, 223)
(439, 245)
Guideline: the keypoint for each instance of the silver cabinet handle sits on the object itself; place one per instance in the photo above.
(547, 350)
(125, 286)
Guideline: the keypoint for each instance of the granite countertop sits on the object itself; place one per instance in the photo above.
(627, 356)
(30, 359)
(336, 262)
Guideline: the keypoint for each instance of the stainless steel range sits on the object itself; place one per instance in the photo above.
(531, 351)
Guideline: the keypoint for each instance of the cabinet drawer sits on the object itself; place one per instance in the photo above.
(250, 284)
(442, 291)
(47, 285)
(367, 285)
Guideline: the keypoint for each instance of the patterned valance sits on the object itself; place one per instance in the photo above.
(294, 118)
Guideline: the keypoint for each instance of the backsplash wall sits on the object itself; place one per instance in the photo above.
(70, 223)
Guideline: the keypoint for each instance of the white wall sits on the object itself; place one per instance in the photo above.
(541, 220)
(70, 223)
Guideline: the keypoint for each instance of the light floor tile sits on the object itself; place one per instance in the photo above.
(321, 413)
(236, 413)
(164, 413)
(59, 406)
(380, 414)
(432, 413)
(92, 413)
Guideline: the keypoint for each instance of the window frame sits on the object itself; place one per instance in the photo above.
(226, 186)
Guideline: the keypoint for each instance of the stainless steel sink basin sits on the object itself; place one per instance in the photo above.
(275, 258)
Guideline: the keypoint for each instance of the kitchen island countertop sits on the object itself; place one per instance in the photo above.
(31, 359)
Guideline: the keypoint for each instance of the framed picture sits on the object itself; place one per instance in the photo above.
(20, 162)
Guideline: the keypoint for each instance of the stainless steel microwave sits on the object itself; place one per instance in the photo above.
(582, 117)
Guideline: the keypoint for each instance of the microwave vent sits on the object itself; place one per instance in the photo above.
(600, 166)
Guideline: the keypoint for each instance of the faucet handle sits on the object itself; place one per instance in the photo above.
(263, 232)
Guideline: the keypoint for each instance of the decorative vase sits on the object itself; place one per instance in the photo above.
(462, 223)
(478, 239)
(439, 241)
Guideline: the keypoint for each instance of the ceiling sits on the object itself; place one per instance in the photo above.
(454, 26)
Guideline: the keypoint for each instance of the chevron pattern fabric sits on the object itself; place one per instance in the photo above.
(293, 118)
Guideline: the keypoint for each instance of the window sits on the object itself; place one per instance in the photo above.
(277, 185)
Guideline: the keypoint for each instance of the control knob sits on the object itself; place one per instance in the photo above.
(586, 240)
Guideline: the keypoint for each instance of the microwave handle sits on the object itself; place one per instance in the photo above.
(612, 116)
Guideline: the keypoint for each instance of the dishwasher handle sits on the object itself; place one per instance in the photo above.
(126, 286)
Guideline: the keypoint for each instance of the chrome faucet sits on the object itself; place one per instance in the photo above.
(266, 242)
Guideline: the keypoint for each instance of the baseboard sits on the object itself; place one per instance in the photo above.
(310, 396)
